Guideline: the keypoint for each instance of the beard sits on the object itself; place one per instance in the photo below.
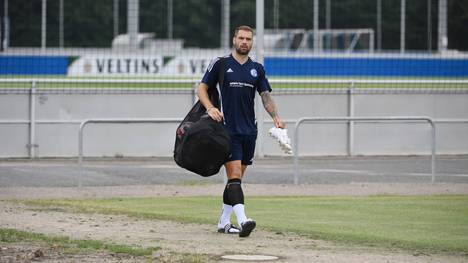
(242, 50)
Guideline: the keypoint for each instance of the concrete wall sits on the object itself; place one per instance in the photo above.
(73, 106)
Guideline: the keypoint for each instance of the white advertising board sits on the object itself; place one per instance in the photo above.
(138, 65)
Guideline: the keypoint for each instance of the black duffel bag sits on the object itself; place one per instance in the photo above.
(204, 148)
(202, 144)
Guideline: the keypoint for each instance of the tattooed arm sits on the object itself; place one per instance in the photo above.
(270, 107)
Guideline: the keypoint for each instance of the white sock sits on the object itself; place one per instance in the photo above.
(240, 213)
(225, 216)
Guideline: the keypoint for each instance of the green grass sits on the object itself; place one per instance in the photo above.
(433, 223)
(197, 78)
(189, 86)
(43, 85)
(70, 245)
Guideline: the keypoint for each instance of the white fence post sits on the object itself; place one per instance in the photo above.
(32, 121)
(351, 123)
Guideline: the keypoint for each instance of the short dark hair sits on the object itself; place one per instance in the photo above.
(243, 28)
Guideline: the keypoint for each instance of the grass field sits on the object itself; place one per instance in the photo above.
(164, 83)
(430, 223)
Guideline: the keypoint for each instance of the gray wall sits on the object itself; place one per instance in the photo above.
(73, 106)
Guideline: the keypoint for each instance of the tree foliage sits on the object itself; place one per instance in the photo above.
(89, 23)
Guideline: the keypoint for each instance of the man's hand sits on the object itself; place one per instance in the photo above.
(215, 114)
(212, 111)
(270, 107)
(279, 123)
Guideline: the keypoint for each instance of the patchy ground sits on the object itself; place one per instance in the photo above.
(34, 252)
(192, 242)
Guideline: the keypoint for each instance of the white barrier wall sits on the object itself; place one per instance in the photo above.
(54, 139)
(412, 138)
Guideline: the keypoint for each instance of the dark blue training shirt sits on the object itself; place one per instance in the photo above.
(238, 92)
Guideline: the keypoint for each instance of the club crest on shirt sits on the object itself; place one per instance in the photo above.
(253, 72)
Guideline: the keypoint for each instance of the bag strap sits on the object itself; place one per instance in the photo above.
(221, 72)
(221, 82)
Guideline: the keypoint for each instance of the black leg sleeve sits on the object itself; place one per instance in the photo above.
(233, 193)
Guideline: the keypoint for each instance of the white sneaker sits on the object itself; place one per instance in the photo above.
(229, 229)
(281, 135)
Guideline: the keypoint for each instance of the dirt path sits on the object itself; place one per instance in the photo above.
(351, 189)
(194, 238)
(203, 239)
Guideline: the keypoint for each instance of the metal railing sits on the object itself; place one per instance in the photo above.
(33, 90)
(296, 132)
(364, 119)
(85, 122)
(193, 81)
(350, 90)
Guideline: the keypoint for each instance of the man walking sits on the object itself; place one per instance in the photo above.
(243, 77)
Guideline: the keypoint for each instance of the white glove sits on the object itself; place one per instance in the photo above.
(281, 135)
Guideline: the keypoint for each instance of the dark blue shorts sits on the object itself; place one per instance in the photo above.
(243, 148)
